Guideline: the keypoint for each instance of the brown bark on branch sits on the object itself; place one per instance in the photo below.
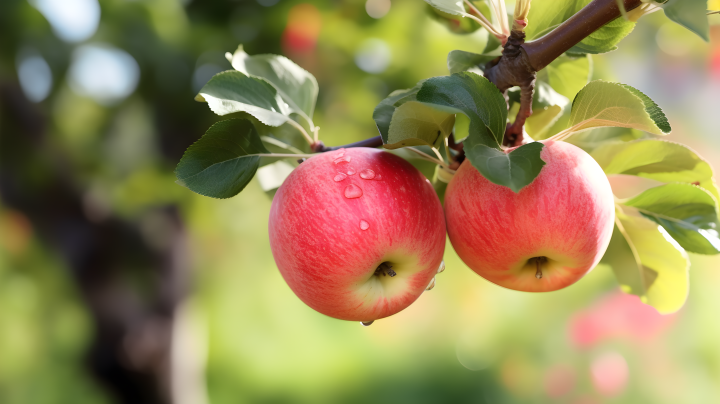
(568, 34)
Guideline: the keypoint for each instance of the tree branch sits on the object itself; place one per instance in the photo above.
(568, 34)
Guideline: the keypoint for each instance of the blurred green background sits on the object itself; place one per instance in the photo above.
(119, 286)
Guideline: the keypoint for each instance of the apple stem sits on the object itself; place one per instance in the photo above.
(385, 269)
(367, 323)
(538, 263)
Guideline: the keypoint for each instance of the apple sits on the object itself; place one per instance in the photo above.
(543, 238)
(357, 234)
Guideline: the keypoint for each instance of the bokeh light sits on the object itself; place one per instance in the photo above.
(71, 20)
(609, 373)
(377, 8)
(373, 56)
(104, 73)
(302, 30)
(34, 75)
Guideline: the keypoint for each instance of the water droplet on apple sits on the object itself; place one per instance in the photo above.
(342, 160)
(378, 177)
(339, 177)
(340, 153)
(431, 285)
(350, 171)
(367, 323)
(364, 225)
(367, 174)
(353, 191)
(441, 267)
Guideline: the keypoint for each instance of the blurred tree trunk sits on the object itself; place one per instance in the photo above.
(132, 286)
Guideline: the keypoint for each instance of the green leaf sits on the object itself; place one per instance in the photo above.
(223, 161)
(602, 104)
(546, 15)
(649, 263)
(415, 123)
(295, 85)
(384, 111)
(273, 175)
(453, 7)
(540, 122)
(658, 160)
(230, 91)
(460, 61)
(605, 39)
(687, 212)
(515, 169)
(285, 138)
(567, 75)
(592, 139)
(454, 23)
(474, 96)
(691, 14)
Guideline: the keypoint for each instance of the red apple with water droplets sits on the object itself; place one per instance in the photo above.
(544, 238)
(357, 247)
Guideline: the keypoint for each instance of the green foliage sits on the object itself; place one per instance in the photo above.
(514, 170)
(415, 123)
(474, 96)
(602, 104)
(546, 15)
(567, 74)
(223, 161)
(687, 212)
(297, 87)
(649, 263)
(232, 91)
(460, 61)
(454, 23)
(452, 7)
(479, 100)
(384, 111)
(657, 160)
(691, 14)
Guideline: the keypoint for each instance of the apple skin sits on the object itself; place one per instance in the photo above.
(325, 256)
(566, 215)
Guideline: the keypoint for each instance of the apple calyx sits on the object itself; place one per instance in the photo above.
(538, 262)
(385, 269)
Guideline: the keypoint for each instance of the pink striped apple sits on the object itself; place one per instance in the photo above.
(544, 238)
(357, 234)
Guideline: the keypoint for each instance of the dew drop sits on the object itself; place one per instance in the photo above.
(367, 174)
(364, 225)
(351, 171)
(378, 177)
(353, 191)
(367, 323)
(431, 285)
(342, 160)
(339, 177)
(441, 267)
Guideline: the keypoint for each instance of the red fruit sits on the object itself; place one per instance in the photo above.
(343, 222)
(561, 222)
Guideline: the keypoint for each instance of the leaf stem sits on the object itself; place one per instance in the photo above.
(302, 130)
(484, 21)
(439, 156)
(425, 156)
(284, 155)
